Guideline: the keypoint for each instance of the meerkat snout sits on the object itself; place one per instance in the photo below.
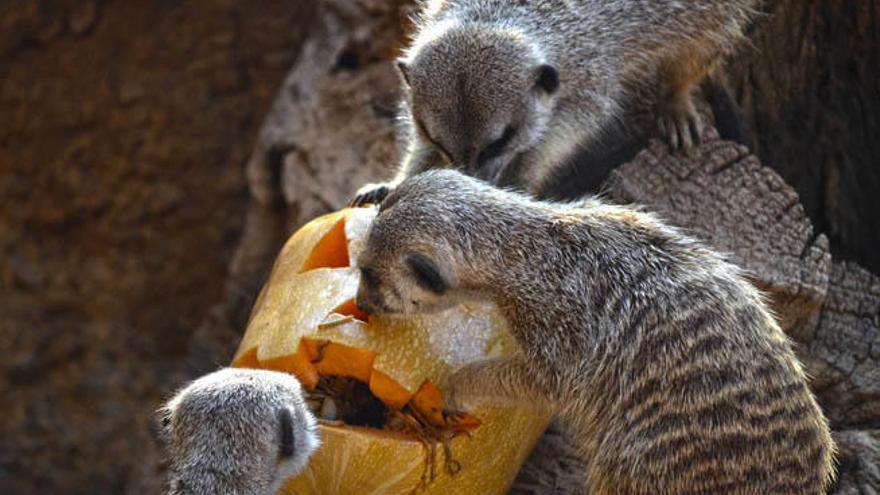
(412, 283)
(237, 431)
(418, 279)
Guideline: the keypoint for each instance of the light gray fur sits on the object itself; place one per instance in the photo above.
(470, 71)
(224, 436)
(659, 355)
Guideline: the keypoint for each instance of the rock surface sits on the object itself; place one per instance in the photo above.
(123, 130)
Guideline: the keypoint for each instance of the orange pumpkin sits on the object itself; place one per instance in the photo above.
(305, 322)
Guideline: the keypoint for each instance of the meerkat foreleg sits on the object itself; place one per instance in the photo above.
(531, 171)
(499, 381)
(677, 119)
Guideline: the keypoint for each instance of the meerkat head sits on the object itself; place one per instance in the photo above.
(403, 273)
(480, 95)
(427, 248)
(237, 431)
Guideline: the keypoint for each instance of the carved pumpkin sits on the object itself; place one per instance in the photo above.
(305, 322)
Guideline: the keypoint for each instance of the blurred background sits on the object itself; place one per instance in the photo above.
(154, 154)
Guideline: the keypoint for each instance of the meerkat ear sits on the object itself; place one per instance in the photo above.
(404, 70)
(285, 420)
(426, 272)
(548, 78)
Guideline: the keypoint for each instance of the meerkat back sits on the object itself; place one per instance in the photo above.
(659, 355)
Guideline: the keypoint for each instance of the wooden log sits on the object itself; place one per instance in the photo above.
(858, 463)
(724, 195)
(844, 357)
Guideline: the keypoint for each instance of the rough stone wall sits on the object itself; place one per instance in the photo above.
(124, 127)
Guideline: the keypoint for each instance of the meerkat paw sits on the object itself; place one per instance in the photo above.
(454, 418)
(679, 123)
(455, 400)
(372, 193)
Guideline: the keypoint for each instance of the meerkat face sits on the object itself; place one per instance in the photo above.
(404, 268)
(404, 282)
(237, 431)
(480, 96)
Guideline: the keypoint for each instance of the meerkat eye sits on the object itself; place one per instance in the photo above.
(426, 273)
(495, 148)
(436, 144)
(369, 276)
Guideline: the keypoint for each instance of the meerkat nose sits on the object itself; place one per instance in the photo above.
(363, 303)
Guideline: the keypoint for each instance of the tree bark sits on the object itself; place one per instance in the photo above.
(809, 87)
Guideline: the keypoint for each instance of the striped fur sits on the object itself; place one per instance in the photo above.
(664, 361)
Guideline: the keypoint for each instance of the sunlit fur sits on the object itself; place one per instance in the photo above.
(470, 71)
(223, 433)
(664, 361)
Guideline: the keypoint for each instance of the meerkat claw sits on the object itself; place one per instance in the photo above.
(370, 194)
(452, 417)
(695, 128)
(682, 132)
(678, 121)
(689, 130)
(668, 131)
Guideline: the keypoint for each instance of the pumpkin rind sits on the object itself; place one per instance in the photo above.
(304, 322)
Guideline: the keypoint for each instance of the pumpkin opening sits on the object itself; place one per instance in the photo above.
(331, 251)
(345, 375)
(348, 401)
(349, 308)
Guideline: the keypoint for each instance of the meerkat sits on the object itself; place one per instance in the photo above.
(506, 90)
(237, 431)
(660, 357)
